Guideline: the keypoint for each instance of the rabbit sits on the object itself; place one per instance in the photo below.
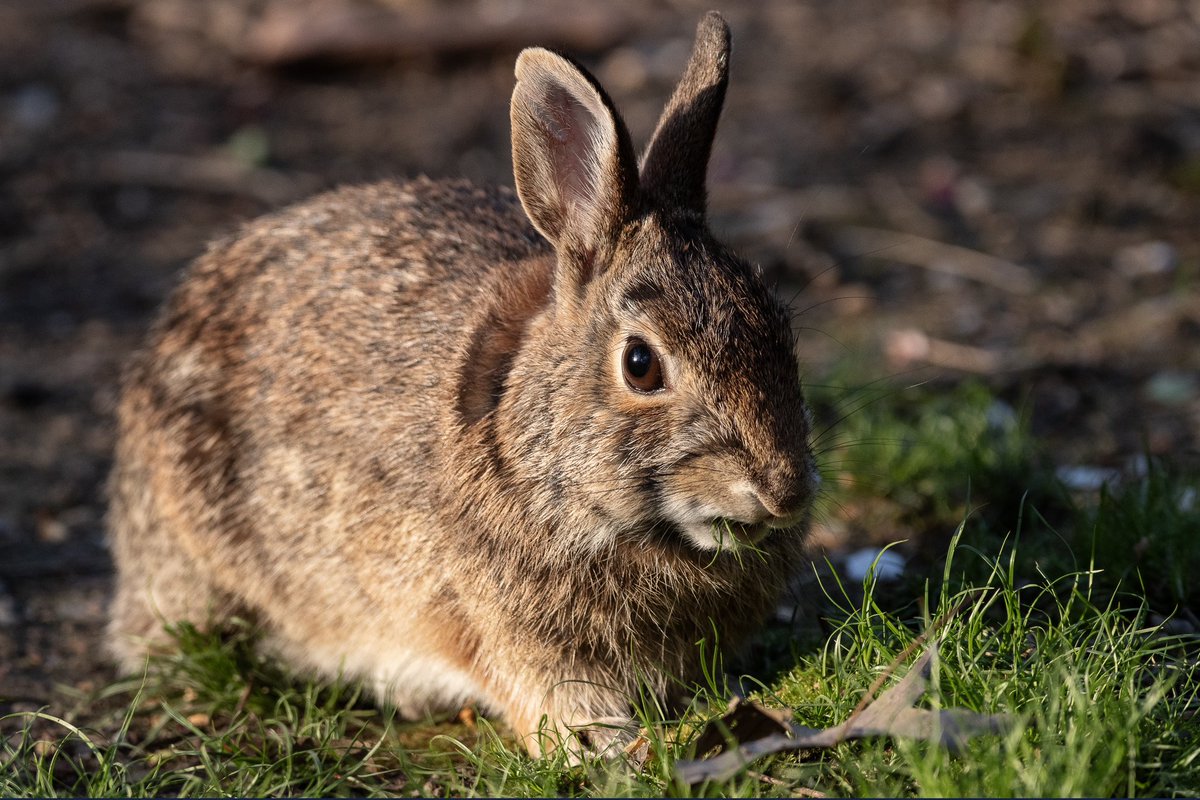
(523, 451)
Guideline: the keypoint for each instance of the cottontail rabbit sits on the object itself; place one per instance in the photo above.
(463, 459)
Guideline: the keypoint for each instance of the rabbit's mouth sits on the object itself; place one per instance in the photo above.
(751, 532)
(725, 534)
(727, 526)
(730, 535)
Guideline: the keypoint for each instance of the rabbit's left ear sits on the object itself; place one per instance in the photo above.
(573, 162)
(675, 164)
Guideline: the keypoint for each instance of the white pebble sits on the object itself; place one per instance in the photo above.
(1148, 258)
(887, 564)
(1087, 479)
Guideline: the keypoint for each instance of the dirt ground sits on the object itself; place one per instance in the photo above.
(1004, 189)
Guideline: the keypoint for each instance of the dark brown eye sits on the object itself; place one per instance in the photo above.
(643, 371)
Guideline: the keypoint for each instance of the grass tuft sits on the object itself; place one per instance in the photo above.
(1147, 535)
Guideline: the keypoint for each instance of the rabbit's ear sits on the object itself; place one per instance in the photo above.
(573, 161)
(675, 163)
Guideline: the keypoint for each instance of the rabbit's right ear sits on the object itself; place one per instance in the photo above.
(573, 162)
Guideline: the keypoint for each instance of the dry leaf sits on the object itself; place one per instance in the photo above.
(466, 715)
(744, 721)
(892, 714)
(638, 752)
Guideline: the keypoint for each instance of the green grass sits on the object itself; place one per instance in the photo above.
(1074, 615)
(1101, 696)
(930, 455)
(1147, 535)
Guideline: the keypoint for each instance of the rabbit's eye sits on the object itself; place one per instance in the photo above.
(643, 372)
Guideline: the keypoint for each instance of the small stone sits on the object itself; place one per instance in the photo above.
(1173, 388)
(51, 529)
(1087, 478)
(906, 346)
(886, 564)
(1142, 260)
(1001, 416)
(34, 108)
(974, 198)
(937, 97)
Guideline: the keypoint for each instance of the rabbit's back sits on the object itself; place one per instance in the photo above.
(290, 403)
(339, 319)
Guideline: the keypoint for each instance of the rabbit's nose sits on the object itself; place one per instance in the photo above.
(785, 493)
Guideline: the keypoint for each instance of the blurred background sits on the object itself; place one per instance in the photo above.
(1007, 192)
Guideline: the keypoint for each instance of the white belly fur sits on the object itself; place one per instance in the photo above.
(415, 680)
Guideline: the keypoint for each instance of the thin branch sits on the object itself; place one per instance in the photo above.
(938, 257)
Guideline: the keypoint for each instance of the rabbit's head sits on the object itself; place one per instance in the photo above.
(663, 376)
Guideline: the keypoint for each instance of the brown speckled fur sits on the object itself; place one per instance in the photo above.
(390, 424)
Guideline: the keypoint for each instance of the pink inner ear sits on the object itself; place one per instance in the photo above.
(571, 140)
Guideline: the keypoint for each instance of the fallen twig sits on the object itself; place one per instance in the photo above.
(907, 345)
(1127, 332)
(937, 256)
(763, 777)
